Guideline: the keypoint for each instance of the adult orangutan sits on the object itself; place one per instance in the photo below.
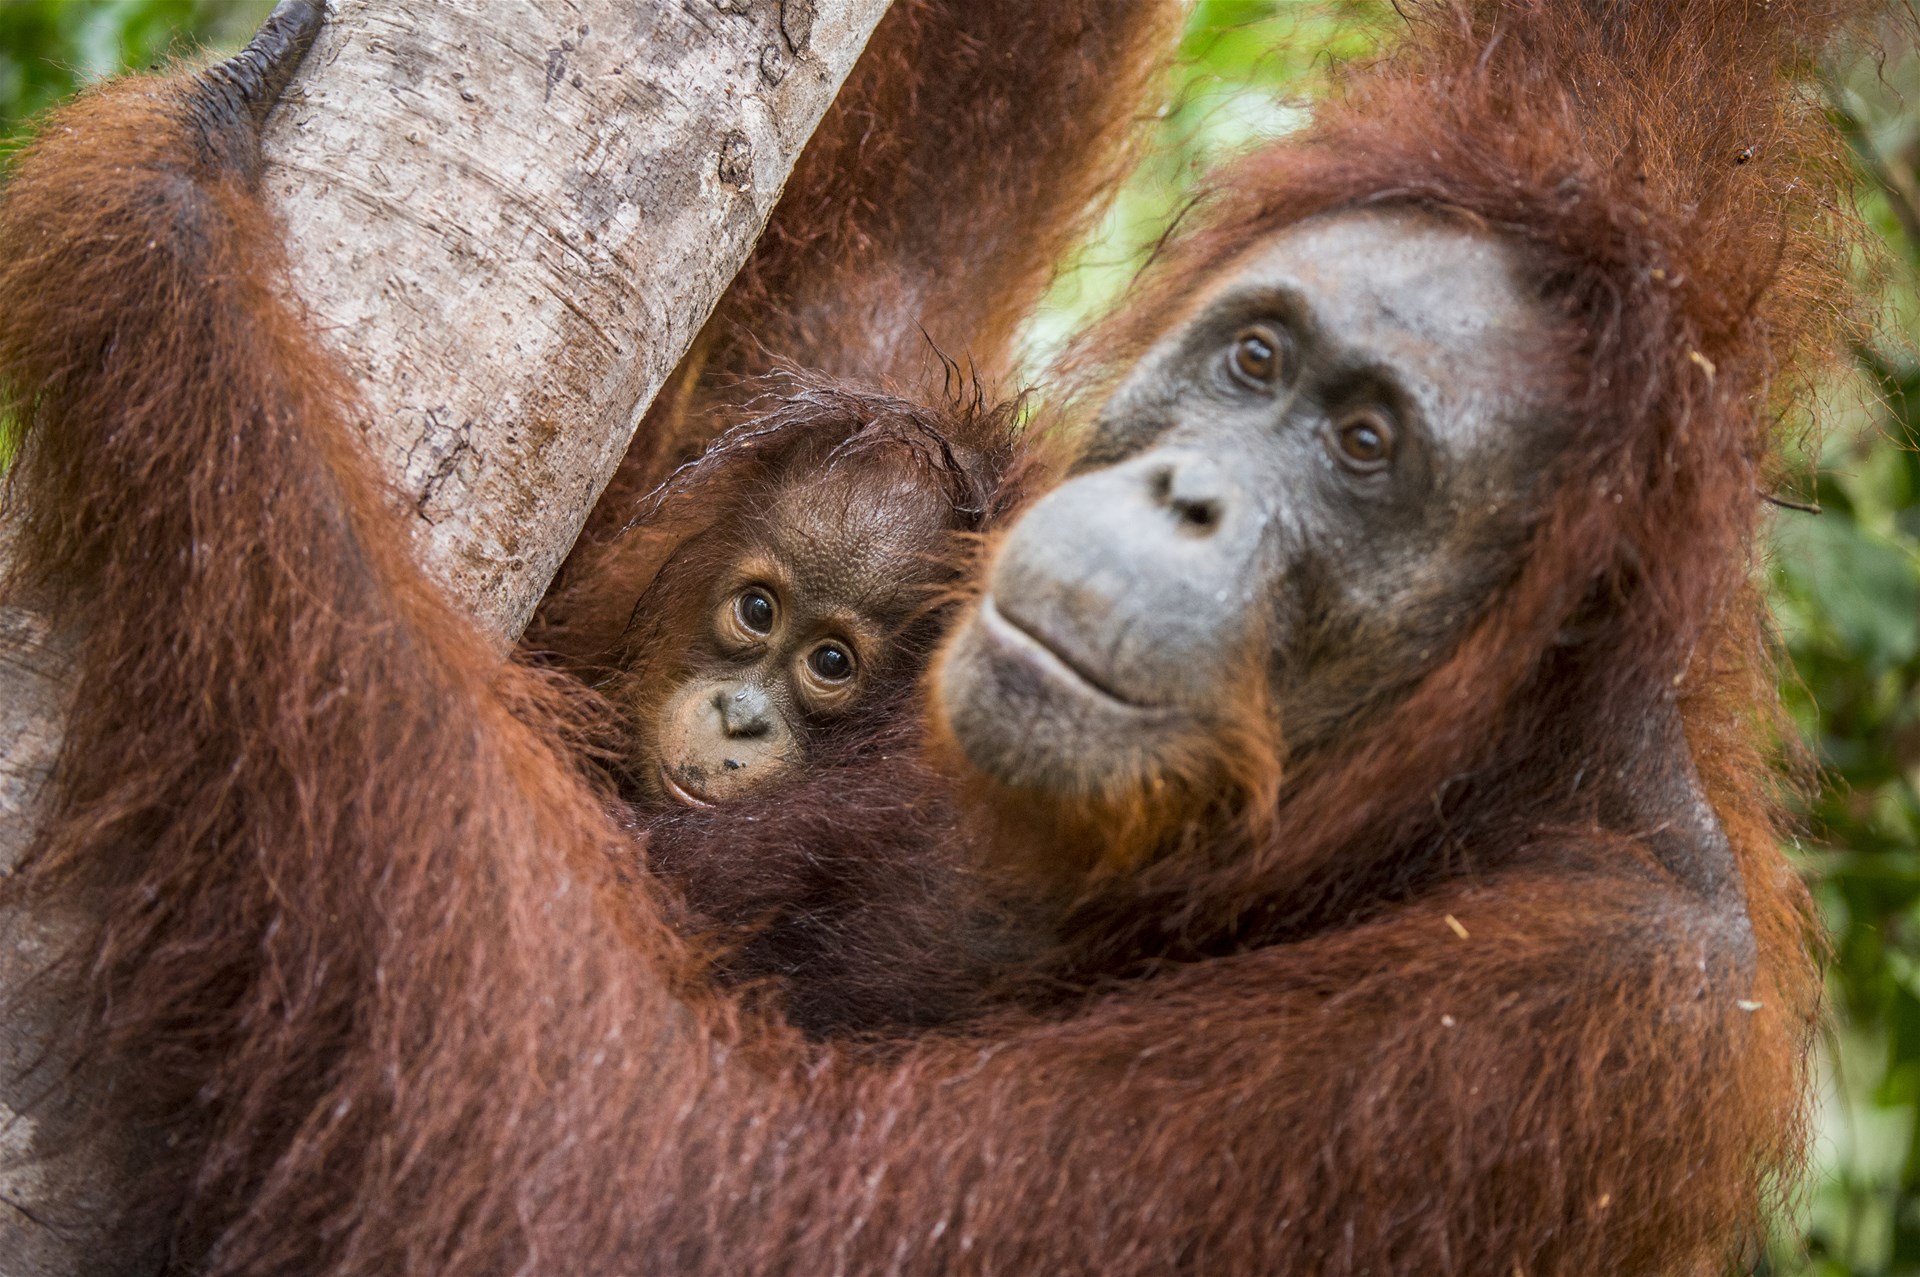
(1380, 698)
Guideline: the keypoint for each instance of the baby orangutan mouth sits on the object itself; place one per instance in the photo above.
(678, 792)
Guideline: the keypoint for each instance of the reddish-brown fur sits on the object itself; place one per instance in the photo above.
(849, 901)
(369, 951)
(821, 918)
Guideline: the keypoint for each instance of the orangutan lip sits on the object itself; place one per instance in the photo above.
(685, 797)
(1047, 656)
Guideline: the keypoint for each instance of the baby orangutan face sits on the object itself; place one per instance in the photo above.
(799, 618)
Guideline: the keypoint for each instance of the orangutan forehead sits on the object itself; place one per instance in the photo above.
(855, 533)
(1447, 304)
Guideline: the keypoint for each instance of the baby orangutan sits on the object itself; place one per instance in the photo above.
(793, 576)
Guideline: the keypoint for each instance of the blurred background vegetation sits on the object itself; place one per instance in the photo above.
(1845, 584)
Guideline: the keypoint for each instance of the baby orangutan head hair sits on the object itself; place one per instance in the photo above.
(800, 566)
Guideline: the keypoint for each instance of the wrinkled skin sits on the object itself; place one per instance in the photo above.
(798, 632)
(1303, 492)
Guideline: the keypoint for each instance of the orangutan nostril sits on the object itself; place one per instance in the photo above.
(1160, 485)
(1198, 515)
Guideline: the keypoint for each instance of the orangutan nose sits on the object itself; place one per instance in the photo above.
(1193, 489)
(744, 712)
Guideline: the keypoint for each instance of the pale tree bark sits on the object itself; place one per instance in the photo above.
(509, 218)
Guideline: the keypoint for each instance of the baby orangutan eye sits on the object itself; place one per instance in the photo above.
(1364, 441)
(754, 608)
(1257, 357)
(831, 663)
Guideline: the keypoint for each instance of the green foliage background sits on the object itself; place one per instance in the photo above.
(1846, 585)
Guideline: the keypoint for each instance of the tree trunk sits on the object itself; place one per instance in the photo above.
(509, 218)
(512, 218)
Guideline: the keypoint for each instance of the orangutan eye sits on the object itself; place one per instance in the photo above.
(831, 663)
(1364, 441)
(1257, 357)
(755, 609)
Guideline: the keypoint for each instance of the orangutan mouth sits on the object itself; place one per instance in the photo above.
(1014, 637)
(680, 793)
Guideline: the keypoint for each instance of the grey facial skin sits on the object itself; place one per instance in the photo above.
(1318, 473)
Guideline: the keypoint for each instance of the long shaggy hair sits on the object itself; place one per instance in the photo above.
(374, 959)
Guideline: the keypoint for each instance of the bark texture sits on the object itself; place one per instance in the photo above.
(510, 218)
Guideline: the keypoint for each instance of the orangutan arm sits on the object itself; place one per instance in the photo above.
(969, 149)
(972, 146)
(1541, 1095)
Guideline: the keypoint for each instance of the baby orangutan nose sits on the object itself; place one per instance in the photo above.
(720, 739)
(744, 714)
